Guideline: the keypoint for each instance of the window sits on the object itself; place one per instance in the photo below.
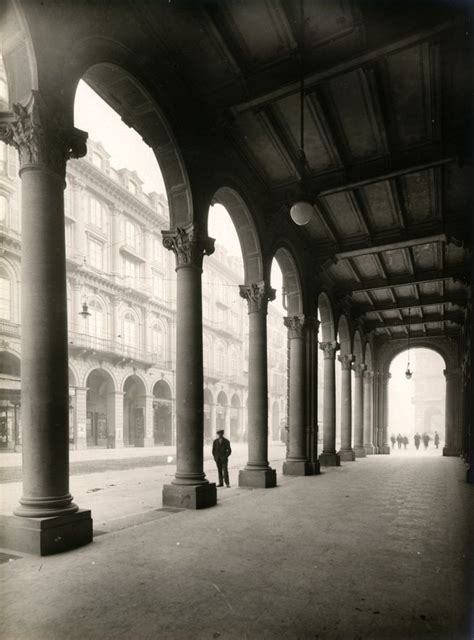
(158, 288)
(97, 159)
(158, 342)
(132, 235)
(133, 187)
(96, 213)
(3, 210)
(158, 250)
(95, 322)
(95, 254)
(132, 272)
(129, 330)
(5, 296)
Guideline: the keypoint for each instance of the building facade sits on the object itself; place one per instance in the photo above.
(121, 295)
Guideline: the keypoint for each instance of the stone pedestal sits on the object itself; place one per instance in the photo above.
(346, 453)
(297, 463)
(358, 411)
(46, 536)
(189, 488)
(329, 457)
(257, 472)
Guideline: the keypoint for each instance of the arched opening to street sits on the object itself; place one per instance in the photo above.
(134, 407)
(101, 410)
(162, 414)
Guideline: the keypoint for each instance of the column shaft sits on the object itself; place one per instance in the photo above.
(384, 446)
(346, 453)
(452, 441)
(358, 412)
(368, 412)
(329, 457)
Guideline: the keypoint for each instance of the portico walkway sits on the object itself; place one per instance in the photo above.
(375, 549)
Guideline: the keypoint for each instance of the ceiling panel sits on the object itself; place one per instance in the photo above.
(381, 295)
(425, 256)
(418, 190)
(429, 288)
(344, 214)
(395, 262)
(381, 207)
(367, 266)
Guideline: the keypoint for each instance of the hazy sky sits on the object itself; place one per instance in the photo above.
(127, 149)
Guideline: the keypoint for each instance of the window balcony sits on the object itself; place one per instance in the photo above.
(8, 328)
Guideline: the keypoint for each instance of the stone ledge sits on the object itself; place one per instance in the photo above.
(46, 536)
(194, 496)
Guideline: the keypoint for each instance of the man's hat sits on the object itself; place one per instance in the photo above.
(220, 431)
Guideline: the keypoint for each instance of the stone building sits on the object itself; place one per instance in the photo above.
(121, 300)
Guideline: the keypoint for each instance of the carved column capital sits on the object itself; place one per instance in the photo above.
(385, 376)
(368, 376)
(329, 349)
(358, 370)
(346, 361)
(188, 245)
(257, 294)
(39, 138)
(295, 326)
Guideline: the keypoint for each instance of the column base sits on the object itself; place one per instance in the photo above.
(192, 496)
(45, 536)
(451, 451)
(297, 468)
(359, 452)
(369, 449)
(329, 460)
(149, 442)
(258, 478)
(346, 455)
(385, 450)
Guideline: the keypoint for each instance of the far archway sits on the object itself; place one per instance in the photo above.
(221, 412)
(10, 401)
(100, 409)
(235, 431)
(162, 414)
(134, 412)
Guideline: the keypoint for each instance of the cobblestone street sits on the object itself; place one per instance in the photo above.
(379, 550)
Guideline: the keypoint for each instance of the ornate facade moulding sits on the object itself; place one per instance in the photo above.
(188, 245)
(346, 361)
(358, 370)
(257, 294)
(329, 349)
(41, 141)
(295, 326)
(452, 374)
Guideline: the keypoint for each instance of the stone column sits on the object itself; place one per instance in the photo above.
(346, 453)
(358, 411)
(81, 414)
(189, 489)
(257, 473)
(149, 440)
(329, 457)
(384, 447)
(297, 463)
(312, 328)
(44, 147)
(368, 411)
(115, 418)
(452, 440)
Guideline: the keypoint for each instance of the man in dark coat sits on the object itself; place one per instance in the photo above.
(221, 451)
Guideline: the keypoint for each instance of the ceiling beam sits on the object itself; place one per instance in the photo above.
(315, 78)
(424, 301)
(391, 246)
(454, 316)
(421, 277)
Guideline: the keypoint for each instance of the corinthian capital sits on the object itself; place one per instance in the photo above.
(368, 376)
(346, 361)
(295, 325)
(188, 245)
(358, 370)
(257, 294)
(40, 138)
(329, 349)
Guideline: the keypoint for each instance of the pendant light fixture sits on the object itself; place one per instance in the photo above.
(302, 210)
(408, 373)
(85, 310)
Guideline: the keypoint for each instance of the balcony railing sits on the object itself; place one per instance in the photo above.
(9, 329)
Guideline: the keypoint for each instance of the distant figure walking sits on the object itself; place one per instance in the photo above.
(417, 439)
(436, 439)
(399, 440)
(221, 451)
(426, 440)
(393, 440)
(405, 441)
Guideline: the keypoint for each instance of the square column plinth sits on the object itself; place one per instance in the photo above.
(45, 536)
(359, 452)
(194, 496)
(298, 468)
(369, 449)
(257, 478)
(330, 460)
(347, 455)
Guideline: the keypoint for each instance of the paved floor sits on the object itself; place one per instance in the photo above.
(377, 549)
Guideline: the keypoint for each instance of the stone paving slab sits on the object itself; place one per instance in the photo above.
(315, 558)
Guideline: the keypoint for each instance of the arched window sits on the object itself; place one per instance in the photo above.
(4, 210)
(158, 341)
(5, 295)
(130, 333)
(96, 321)
(96, 213)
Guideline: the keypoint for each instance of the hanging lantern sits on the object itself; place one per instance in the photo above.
(85, 310)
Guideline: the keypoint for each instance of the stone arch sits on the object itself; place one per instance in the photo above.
(134, 408)
(106, 370)
(247, 233)
(445, 347)
(162, 413)
(18, 54)
(138, 378)
(326, 315)
(358, 348)
(291, 280)
(101, 427)
(368, 357)
(344, 335)
(10, 363)
(72, 376)
(108, 67)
